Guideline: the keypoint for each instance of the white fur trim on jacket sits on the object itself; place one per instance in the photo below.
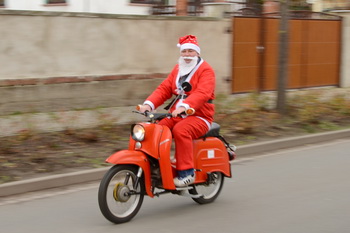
(150, 104)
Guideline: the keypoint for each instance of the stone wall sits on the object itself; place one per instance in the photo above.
(53, 61)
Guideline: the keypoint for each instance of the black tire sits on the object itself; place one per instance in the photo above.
(114, 205)
(209, 192)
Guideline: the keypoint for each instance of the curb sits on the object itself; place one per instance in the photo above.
(258, 148)
(53, 181)
(61, 180)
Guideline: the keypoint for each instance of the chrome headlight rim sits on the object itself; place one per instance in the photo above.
(138, 132)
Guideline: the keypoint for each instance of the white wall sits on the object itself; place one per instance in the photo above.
(56, 44)
(93, 6)
(345, 66)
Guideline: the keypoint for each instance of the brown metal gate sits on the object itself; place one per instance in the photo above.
(314, 53)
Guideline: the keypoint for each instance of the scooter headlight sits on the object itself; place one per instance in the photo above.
(138, 133)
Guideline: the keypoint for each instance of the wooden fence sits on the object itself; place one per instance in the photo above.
(313, 60)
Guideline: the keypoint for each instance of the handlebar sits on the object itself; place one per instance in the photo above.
(159, 116)
(188, 112)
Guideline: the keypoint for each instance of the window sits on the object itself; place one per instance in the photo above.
(144, 1)
(55, 1)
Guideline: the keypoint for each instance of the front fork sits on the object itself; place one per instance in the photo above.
(126, 182)
(138, 177)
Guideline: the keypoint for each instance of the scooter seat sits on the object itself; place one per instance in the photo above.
(214, 131)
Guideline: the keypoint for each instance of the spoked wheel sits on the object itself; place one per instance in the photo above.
(209, 191)
(118, 200)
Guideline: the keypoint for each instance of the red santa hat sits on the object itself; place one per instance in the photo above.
(189, 42)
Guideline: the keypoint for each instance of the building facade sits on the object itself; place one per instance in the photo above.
(90, 6)
(330, 5)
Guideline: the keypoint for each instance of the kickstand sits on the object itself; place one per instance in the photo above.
(184, 191)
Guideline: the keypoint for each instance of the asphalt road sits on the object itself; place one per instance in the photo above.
(301, 190)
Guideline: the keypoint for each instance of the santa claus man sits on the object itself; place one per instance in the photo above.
(192, 81)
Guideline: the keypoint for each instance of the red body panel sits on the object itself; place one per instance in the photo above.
(157, 143)
(164, 162)
(210, 155)
(150, 145)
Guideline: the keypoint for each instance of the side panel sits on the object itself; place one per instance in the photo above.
(164, 161)
(210, 156)
(137, 158)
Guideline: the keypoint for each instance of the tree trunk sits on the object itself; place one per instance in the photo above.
(282, 58)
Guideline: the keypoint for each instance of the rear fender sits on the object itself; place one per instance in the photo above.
(137, 158)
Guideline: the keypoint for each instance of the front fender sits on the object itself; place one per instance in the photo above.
(127, 157)
(137, 158)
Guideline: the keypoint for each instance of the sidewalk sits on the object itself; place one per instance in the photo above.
(61, 180)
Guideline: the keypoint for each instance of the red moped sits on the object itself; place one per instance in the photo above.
(147, 168)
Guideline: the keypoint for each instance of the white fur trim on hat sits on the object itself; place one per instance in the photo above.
(190, 46)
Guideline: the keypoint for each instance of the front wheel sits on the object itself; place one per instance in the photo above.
(209, 191)
(118, 198)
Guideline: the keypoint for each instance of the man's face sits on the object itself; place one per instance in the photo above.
(188, 53)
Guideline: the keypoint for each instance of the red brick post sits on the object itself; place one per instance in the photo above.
(181, 7)
(271, 6)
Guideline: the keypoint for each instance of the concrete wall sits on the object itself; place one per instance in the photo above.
(53, 61)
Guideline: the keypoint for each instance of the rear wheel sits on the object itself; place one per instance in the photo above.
(118, 200)
(209, 191)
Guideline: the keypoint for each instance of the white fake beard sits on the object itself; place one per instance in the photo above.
(185, 68)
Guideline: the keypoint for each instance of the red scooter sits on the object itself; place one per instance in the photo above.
(147, 168)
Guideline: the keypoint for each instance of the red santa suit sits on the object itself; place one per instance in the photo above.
(200, 97)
